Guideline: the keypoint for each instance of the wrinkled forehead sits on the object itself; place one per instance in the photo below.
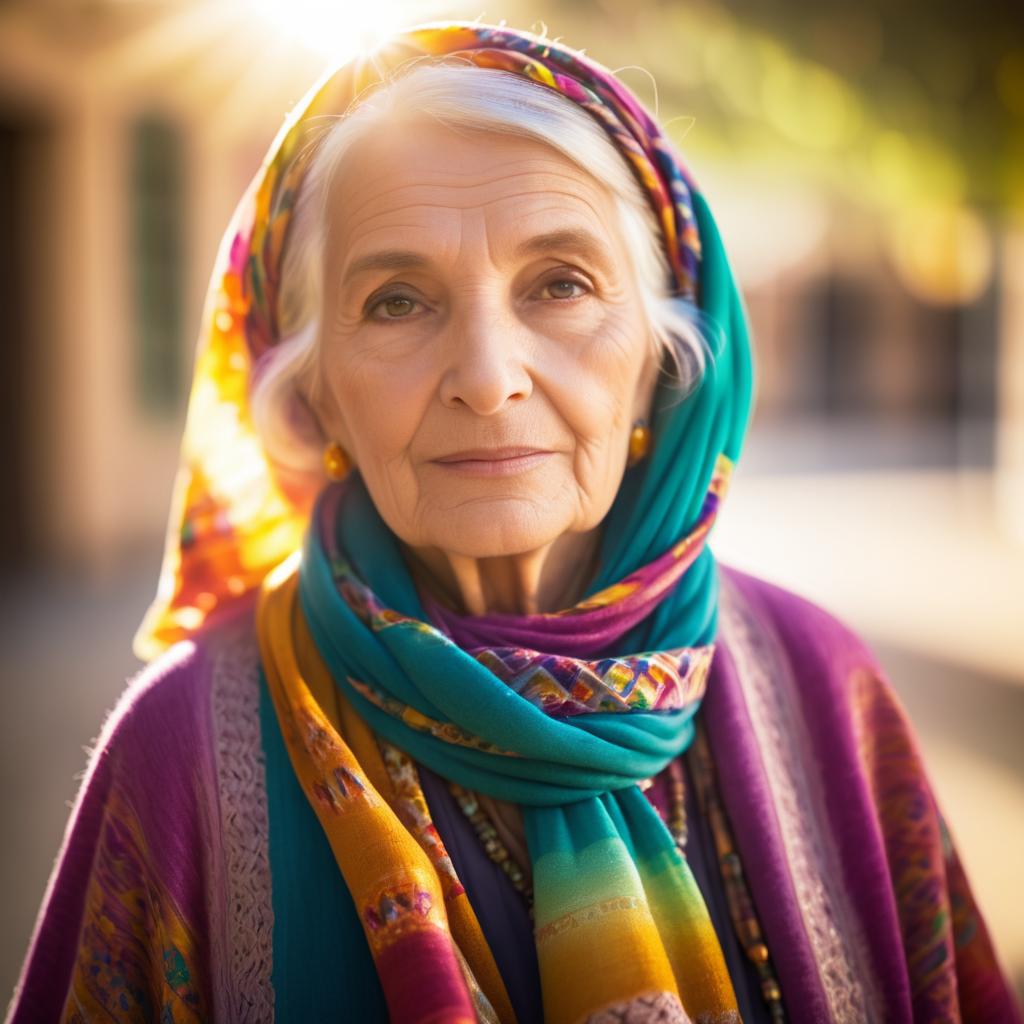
(422, 174)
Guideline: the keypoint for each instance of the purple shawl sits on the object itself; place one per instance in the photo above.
(159, 906)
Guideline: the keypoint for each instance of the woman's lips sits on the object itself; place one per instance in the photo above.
(497, 462)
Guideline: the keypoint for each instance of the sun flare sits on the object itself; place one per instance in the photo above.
(336, 29)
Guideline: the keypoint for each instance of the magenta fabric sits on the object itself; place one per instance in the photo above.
(155, 751)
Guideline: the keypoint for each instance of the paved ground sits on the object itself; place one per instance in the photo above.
(64, 657)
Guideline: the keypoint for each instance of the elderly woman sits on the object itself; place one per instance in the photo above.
(459, 719)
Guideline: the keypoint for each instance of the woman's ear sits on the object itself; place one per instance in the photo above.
(324, 410)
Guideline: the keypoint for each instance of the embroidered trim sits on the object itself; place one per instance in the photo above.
(654, 1008)
(485, 1012)
(593, 912)
(241, 781)
(399, 910)
(449, 732)
(840, 949)
(411, 807)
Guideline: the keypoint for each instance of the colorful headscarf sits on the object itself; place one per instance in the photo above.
(232, 520)
(564, 713)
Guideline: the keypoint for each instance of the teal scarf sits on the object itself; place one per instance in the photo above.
(594, 840)
(421, 669)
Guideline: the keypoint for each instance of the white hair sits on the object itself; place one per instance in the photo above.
(489, 101)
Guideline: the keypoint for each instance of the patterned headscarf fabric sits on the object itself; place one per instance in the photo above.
(556, 712)
(232, 519)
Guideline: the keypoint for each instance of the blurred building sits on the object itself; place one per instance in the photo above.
(889, 334)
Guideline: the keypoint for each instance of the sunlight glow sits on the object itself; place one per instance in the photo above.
(333, 28)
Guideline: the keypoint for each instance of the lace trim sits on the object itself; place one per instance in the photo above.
(241, 780)
(655, 1008)
(840, 949)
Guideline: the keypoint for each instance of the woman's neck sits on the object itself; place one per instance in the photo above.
(546, 579)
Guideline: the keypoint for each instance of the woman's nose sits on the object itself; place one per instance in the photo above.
(486, 354)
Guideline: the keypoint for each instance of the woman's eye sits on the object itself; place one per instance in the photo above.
(393, 307)
(565, 288)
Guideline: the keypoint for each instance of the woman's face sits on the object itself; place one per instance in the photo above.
(483, 352)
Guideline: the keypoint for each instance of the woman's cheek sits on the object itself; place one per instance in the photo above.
(597, 392)
(371, 379)
(389, 407)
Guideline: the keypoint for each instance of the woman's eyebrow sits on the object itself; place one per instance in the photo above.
(571, 240)
(388, 259)
(574, 240)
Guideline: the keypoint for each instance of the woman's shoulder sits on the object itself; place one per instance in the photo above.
(169, 788)
(807, 630)
(182, 688)
(825, 780)
(794, 646)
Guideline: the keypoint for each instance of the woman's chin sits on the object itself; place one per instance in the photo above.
(502, 527)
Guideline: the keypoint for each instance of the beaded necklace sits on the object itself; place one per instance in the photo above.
(493, 846)
(737, 893)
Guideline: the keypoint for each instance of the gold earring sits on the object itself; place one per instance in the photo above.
(639, 442)
(336, 463)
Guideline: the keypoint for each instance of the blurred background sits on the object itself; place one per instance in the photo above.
(866, 166)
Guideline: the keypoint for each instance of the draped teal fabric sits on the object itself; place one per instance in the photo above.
(659, 499)
(576, 777)
(420, 668)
